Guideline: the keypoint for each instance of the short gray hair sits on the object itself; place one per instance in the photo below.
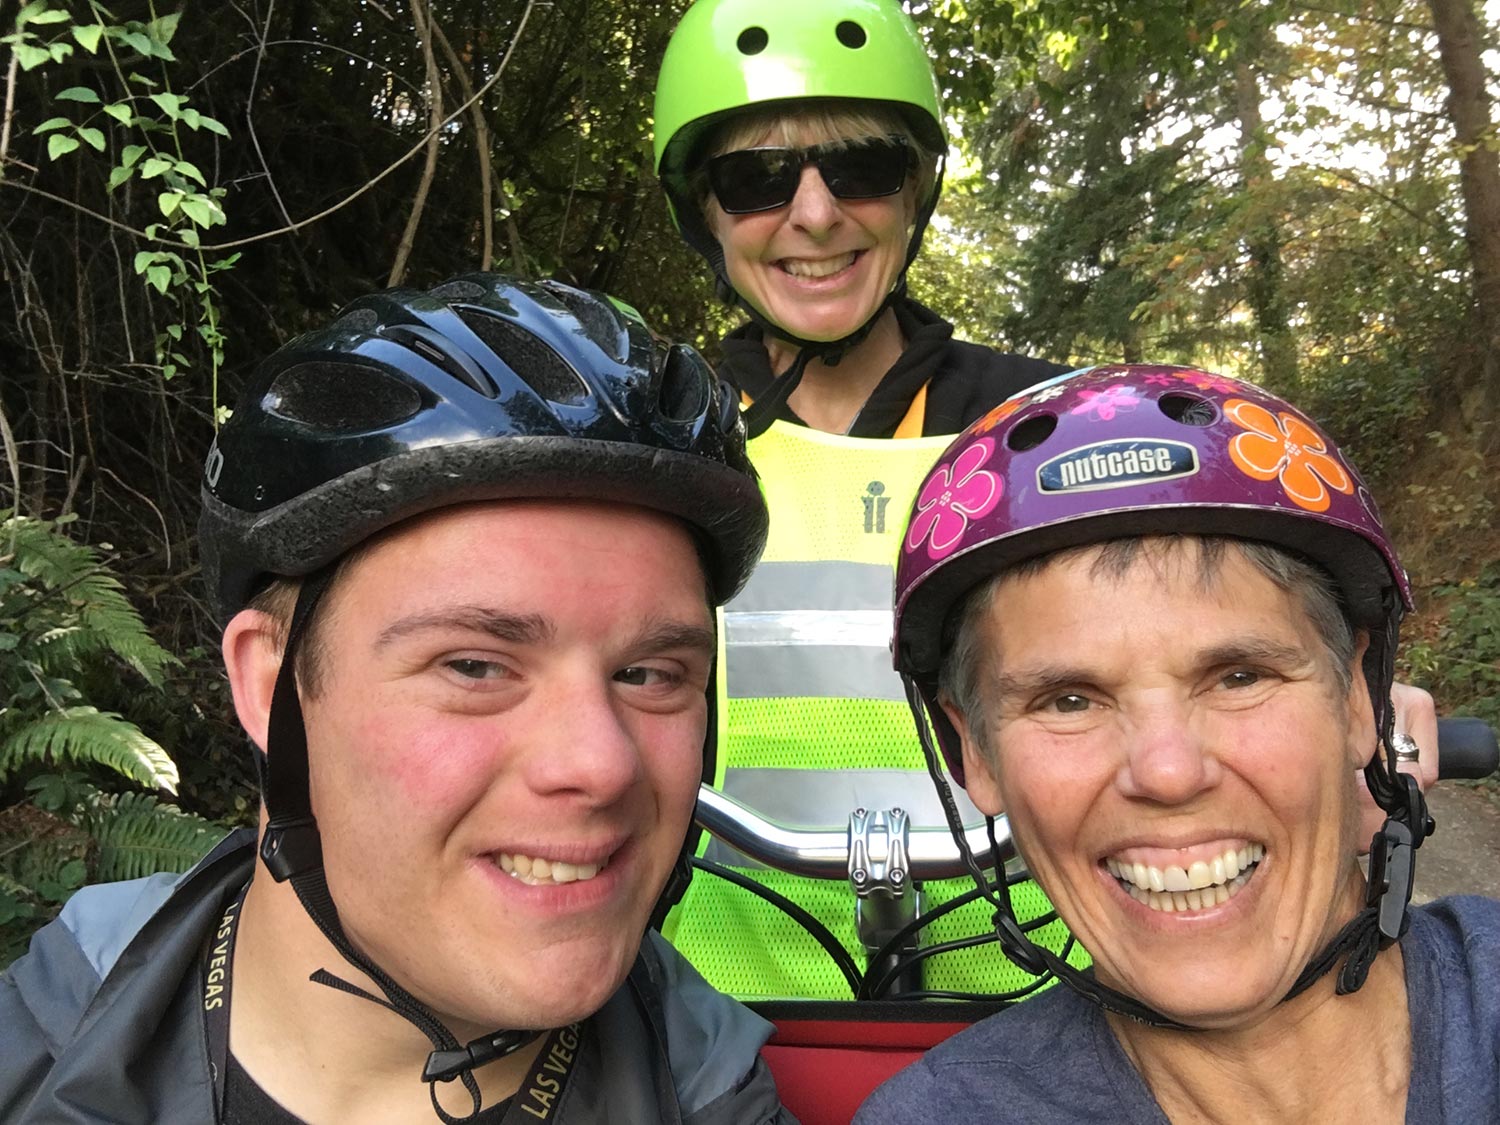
(962, 667)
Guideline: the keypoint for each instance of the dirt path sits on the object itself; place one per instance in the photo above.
(1463, 855)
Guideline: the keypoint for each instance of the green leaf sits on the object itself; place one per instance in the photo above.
(50, 124)
(213, 126)
(155, 167)
(30, 57)
(164, 28)
(199, 209)
(88, 36)
(139, 835)
(190, 170)
(118, 175)
(95, 137)
(131, 154)
(170, 104)
(59, 51)
(159, 276)
(120, 111)
(50, 15)
(58, 145)
(169, 201)
(84, 734)
(30, 12)
(139, 42)
(190, 236)
(77, 94)
(144, 258)
(192, 118)
(149, 83)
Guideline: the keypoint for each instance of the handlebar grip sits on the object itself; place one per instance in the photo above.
(1466, 748)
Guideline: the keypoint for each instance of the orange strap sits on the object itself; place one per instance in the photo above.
(911, 425)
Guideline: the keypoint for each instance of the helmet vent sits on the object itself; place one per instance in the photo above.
(537, 365)
(599, 325)
(1190, 410)
(360, 320)
(341, 397)
(752, 41)
(851, 34)
(458, 290)
(1031, 433)
(684, 387)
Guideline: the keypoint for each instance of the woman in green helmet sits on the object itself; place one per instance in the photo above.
(801, 145)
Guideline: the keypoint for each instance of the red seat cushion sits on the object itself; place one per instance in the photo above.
(825, 1068)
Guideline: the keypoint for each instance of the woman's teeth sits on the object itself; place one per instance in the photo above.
(537, 872)
(1199, 886)
(822, 267)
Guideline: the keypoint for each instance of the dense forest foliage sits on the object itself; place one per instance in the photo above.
(1302, 194)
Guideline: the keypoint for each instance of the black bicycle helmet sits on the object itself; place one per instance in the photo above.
(484, 388)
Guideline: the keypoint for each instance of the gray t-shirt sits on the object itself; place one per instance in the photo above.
(1054, 1059)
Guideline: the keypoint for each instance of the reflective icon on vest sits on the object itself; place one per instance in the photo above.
(875, 505)
(1117, 464)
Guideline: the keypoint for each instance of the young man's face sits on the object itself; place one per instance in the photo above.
(1144, 729)
(505, 747)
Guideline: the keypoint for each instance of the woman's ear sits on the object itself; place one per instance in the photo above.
(979, 769)
(252, 646)
(1364, 739)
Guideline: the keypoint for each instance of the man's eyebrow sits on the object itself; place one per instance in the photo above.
(515, 628)
(660, 636)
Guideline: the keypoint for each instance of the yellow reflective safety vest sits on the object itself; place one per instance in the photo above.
(814, 723)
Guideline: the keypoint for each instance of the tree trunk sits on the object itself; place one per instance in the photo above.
(1460, 49)
(1263, 285)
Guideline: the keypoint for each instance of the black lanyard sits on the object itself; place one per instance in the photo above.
(540, 1097)
(218, 967)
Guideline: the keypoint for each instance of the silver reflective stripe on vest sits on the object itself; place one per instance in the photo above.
(812, 629)
(825, 798)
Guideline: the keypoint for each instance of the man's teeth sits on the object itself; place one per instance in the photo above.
(1202, 884)
(824, 267)
(535, 871)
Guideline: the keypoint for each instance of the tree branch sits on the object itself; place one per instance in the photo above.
(481, 146)
(434, 142)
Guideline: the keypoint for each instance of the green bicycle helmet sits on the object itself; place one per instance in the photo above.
(729, 56)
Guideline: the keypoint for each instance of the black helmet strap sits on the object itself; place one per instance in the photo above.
(292, 850)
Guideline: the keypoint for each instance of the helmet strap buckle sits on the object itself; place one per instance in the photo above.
(291, 848)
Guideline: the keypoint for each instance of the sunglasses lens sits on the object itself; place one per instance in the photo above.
(761, 179)
(756, 179)
(864, 171)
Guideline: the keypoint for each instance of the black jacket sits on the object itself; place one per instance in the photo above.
(102, 1020)
(963, 380)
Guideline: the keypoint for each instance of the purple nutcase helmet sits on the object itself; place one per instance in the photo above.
(1132, 450)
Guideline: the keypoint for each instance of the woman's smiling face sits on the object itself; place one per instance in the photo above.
(1175, 754)
(821, 266)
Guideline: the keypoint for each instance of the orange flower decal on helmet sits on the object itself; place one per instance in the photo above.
(1283, 445)
(999, 414)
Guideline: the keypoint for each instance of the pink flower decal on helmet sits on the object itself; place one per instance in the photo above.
(1208, 381)
(1283, 445)
(1104, 405)
(953, 495)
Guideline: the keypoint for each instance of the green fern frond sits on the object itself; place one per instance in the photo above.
(85, 734)
(97, 616)
(13, 887)
(138, 835)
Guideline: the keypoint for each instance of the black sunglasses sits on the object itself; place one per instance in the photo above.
(762, 179)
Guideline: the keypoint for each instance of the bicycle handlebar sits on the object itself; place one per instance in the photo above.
(1467, 748)
(823, 853)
